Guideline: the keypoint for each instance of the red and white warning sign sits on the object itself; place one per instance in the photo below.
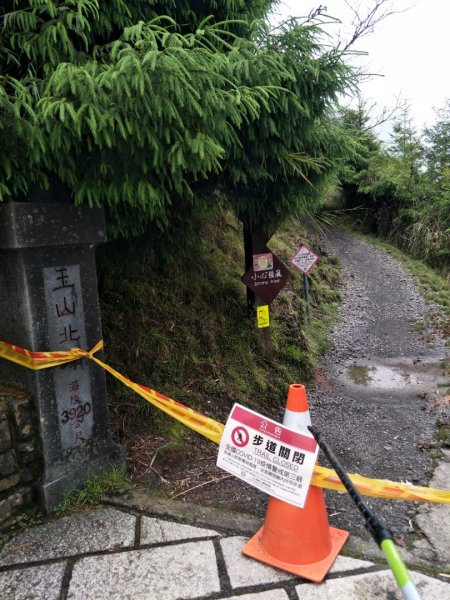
(273, 458)
(304, 259)
(239, 436)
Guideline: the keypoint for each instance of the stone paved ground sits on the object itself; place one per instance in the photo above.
(164, 552)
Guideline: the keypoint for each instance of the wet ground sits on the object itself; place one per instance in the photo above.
(421, 376)
(375, 400)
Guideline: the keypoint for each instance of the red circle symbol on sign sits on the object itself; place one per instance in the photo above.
(239, 437)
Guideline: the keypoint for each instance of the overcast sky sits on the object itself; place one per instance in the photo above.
(410, 49)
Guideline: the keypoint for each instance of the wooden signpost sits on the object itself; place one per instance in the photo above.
(266, 278)
(267, 281)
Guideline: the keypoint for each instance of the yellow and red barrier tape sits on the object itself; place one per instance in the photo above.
(211, 429)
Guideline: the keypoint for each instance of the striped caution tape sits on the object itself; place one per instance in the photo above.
(211, 429)
(42, 360)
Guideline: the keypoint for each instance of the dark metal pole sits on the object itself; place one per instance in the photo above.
(308, 304)
(379, 530)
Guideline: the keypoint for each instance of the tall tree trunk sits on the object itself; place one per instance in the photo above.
(255, 242)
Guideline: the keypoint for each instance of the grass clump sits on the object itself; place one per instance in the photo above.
(443, 432)
(91, 494)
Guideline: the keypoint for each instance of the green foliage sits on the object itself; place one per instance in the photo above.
(437, 149)
(287, 154)
(183, 329)
(127, 125)
(126, 109)
(443, 433)
(95, 488)
(405, 189)
(356, 124)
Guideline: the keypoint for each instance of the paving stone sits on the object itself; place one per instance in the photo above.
(422, 551)
(75, 534)
(179, 571)
(366, 548)
(244, 571)
(345, 563)
(35, 583)
(157, 530)
(372, 586)
(433, 519)
(270, 595)
(206, 516)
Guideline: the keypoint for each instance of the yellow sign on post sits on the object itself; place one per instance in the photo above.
(262, 315)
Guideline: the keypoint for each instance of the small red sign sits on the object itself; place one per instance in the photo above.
(239, 437)
(271, 429)
(276, 459)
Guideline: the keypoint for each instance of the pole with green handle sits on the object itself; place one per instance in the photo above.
(379, 531)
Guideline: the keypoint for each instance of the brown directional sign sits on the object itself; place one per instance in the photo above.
(268, 282)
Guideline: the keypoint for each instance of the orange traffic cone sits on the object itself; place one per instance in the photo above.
(297, 540)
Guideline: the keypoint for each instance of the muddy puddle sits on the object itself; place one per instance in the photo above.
(378, 375)
(381, 377)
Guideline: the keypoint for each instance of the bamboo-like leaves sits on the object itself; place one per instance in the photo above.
(144, 119)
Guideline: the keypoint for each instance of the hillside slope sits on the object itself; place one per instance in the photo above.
(181, 327)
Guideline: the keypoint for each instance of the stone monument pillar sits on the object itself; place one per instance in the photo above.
(49, 301)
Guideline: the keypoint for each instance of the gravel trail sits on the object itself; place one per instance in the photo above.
(378, 382)
(380, 302)
(374, 427)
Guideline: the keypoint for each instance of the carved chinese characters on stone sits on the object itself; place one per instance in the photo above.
(66, 326)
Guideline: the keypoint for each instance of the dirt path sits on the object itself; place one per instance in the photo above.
(374, 402)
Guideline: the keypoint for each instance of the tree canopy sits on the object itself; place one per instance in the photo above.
(151, 109)
(404, 185)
